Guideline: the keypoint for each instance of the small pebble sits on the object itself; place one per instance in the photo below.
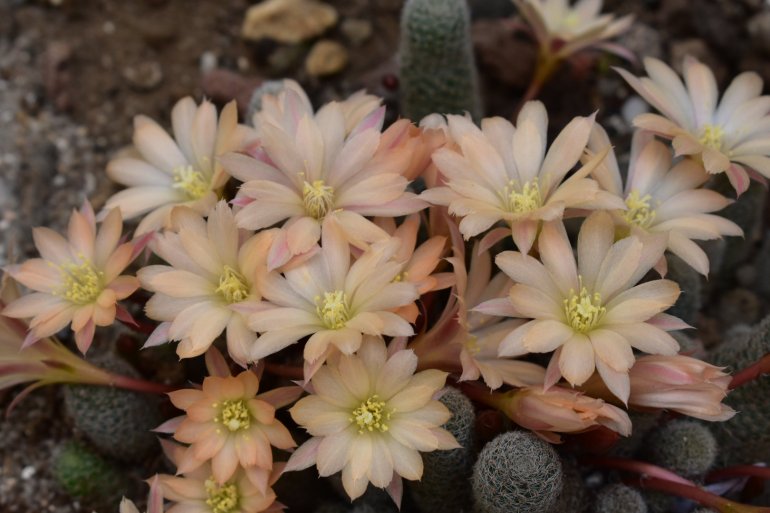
(326, 58)
(27, 472)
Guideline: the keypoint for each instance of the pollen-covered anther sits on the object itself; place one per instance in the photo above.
(232, 286)
(640, 212)
(190, 181)
(712, 136)
(318, 198)
(371, 415)
(523, 200)
(333, 309)
(583, 310)
(221, 499)
(234, 415)
(81, 283)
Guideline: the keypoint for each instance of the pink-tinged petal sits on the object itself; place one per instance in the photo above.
(528, 145)
(81, 234)
(534, 303)
(156, 146)
(641, 302)
(744, 87)
(420, 390)
(358, 230)
(124, 286)
(668, 322)
(492, 238)
(328, 385)
(513, 343)
(182, 118)
(224, 463)
(545, 336)
(647, 338)
(395, 374)
(108, 237)
(576, 361)
(552, 372)
(273, 341)
(305, 456)
(302, 235)
(180, 284)
(52, 246)
(85, 336)
(118, 261)
(133, 172)
(702, 87)
(158, 336)
(263, 213)
(36, 274)
(354, 487)
(618, 266)
(474, 224)
(52, 320)
(617, 382)
(738, 177)
(715, 161)
(527, 270)
(501, 307)
(594, 242)
(407, 462)
(32, 305)
(139, 200)
(524, 234)
(612, 348)
(690, 252)
(556, 253)
(566, 149)
(380, 472)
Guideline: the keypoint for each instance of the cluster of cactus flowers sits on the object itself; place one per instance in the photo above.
(394, 294)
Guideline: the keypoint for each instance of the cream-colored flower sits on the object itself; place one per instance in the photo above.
(331, 300)
(213, 267)
(162, 172)
(728, 136)
(310, 167)
(664, 197)
(503, 173)
(370, 417)
(199, 492)
(228, 423)
(77, 281)
(591, 314)
(563, 30)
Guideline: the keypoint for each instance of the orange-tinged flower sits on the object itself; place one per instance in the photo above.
(227, 423)
(77, 281)
(213, 267)
(503, 173)
(370, 417)
(310, 167)
(154, 500)
(162, 172)
(664, 197)
(591, 314)
(728, 135)
(331, 300)
(560, 410)
(682, 384)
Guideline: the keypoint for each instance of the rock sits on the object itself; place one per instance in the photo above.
(144, 76)
(759, 30)
(357, 31)
(223, 85)
(633, 107)
(326, 58)
(288, 21)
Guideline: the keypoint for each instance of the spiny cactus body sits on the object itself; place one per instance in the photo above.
(517, 472)
(619, 498)
(685, 446)
(438, 72)
(574, 496)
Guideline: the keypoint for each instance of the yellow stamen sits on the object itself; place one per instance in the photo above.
(584, 310)
(190, 181)
(524, 200)
(221, 499)
(82, 283)
(334, 309)
(318, 198)
(401, 277)
(371, 415)
(472, 344)
(232, 286)
(712, 136)
(639, 212)
(234, 415)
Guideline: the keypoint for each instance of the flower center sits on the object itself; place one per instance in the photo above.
(639, 212)
(190, 181)
(82, 284)
(523, 200)
(472, 344)
(234, 415)
(318, 198)
(712, 137)
(334, 309)
(402, 276)
(583, 310)
(221, 499)
(232, 286)
(371, 415)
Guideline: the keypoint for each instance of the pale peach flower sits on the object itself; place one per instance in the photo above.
(682, 384)
(213, 267)
(228, 423)
(77, 281)
(664, 197)
(162, 172)
(591, 314)
(560, 410)
(154, 500)
(562, 29)
(727, 136)
(310, 167)
(370, 416)
(503, 173)
(199, 492)
(331, 300)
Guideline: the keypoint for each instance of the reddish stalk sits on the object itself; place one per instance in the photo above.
(286, 371)
(545, 67)
(140, 385)
(738, 471)
(751, 372)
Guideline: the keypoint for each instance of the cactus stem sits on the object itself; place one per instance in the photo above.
(547, 64)
(738, 471)
(751, 372)
(140, 385)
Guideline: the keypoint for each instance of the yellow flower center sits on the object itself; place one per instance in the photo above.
(234, 415)
(232, 286)
(583, 310)
(401, 277)
(524, 200)
(221, 499)
(639, 212)
(371, 415)
(190, 181)
(712, 137)
(82, 284)
(334, 309)
(318, 198)
(472, 344)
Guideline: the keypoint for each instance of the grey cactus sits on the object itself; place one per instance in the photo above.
(574, 496)
(686, 447)
(517, 472)
(619, 498)
(690, 300)
(438, 71)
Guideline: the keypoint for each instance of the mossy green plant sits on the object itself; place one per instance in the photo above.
(88, 477)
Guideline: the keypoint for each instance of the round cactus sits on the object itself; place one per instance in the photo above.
(88, 477)
(685, 446)
(617, 498)
(117, 422)
(445, 483)
(517, 472)
(574, 495)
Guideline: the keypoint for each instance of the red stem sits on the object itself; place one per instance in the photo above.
(751, 372)
(286, 371)
(738, 471)
(141, 385)
(639, 467)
